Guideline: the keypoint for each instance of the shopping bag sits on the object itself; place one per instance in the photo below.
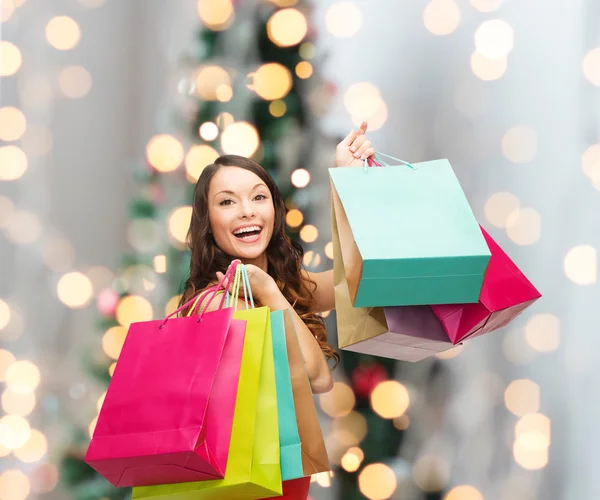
(168, 411)
(314, 453)
(406, 333)
(408, 235)
(253, 466)
(289, 439)
(296, 489)
(506, 293)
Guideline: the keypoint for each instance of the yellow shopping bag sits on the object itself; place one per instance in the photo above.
(253, 465)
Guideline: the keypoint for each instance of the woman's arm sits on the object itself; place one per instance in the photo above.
(316, 365)
(323, 291)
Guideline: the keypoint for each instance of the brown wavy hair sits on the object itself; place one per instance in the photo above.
(284, 256)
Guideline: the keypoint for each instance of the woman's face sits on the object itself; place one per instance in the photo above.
(241, 212)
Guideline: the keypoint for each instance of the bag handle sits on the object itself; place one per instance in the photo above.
(212, 290)
(377, 161)
(241, 279)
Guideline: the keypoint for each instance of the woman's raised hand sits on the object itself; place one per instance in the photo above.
(355, 148)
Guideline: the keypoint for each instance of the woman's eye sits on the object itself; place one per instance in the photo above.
(260, 197)
(226, 202)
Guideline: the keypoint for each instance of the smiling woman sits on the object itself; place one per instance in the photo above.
(239, 213)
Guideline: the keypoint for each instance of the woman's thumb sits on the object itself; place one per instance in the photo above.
(219, 276)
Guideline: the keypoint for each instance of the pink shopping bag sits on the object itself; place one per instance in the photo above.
(168, 412)
(506, 293)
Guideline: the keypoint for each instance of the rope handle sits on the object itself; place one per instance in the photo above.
(377, 161)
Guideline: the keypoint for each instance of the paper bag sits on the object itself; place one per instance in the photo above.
(409, 333)
(253, 466)
(190, 371)
(506, 293)
(314, 453)
(408, 237)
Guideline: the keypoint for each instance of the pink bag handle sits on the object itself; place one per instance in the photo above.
(212, 290)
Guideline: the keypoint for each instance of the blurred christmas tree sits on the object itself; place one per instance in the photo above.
(250, 89)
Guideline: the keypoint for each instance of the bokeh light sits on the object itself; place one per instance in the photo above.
(487, 69)
(376, 120)
(311, 259)
(24, 227)
(12, 123)
(160, 263)
(581, 265)
(543, 332)
(44, 478)
(431, 473)
(172, 305)
(143, 234)
(300, 177)
(309, 233)
(590, 162)
(294, 218)
(377, 481)
(6, 359)
(522, 396)
(209, 80)
(14, 431)
(10, 58)
(277, 108)
(362, 99)
(241, 138)
(4, 314)
(534, 423)
(14, 485)
(304, 70)
(216, 14)
(402, 423)
(441, 17)
(339, 401)
(75, 81)
(13, 163)
(133, 308)
(113, 340)
(34, 449)
(63, 33)
(164, 152)
(523, 226)
(22, 377)
(352, 459)
(591, 66)
(307, 50)
(197, 158)
(14, 403)
(36, 91)
(499, 206)
(519, 144)
(450, 353)
(75, 290)
(494, 39)
(271, 81)
(208, 131)
(343, 19)
(531, 451)
(389, 399)
(287, 27)
(463, 492)
(329, 250)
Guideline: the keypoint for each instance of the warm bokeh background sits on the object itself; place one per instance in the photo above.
(108, 111)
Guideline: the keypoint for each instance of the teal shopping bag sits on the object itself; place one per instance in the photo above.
(408, 235)
(289, 437)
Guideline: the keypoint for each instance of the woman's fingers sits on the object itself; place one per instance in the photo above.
(358, 142)
(351, 137)
(363, 149)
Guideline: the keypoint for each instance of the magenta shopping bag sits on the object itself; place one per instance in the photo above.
(168, 412)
